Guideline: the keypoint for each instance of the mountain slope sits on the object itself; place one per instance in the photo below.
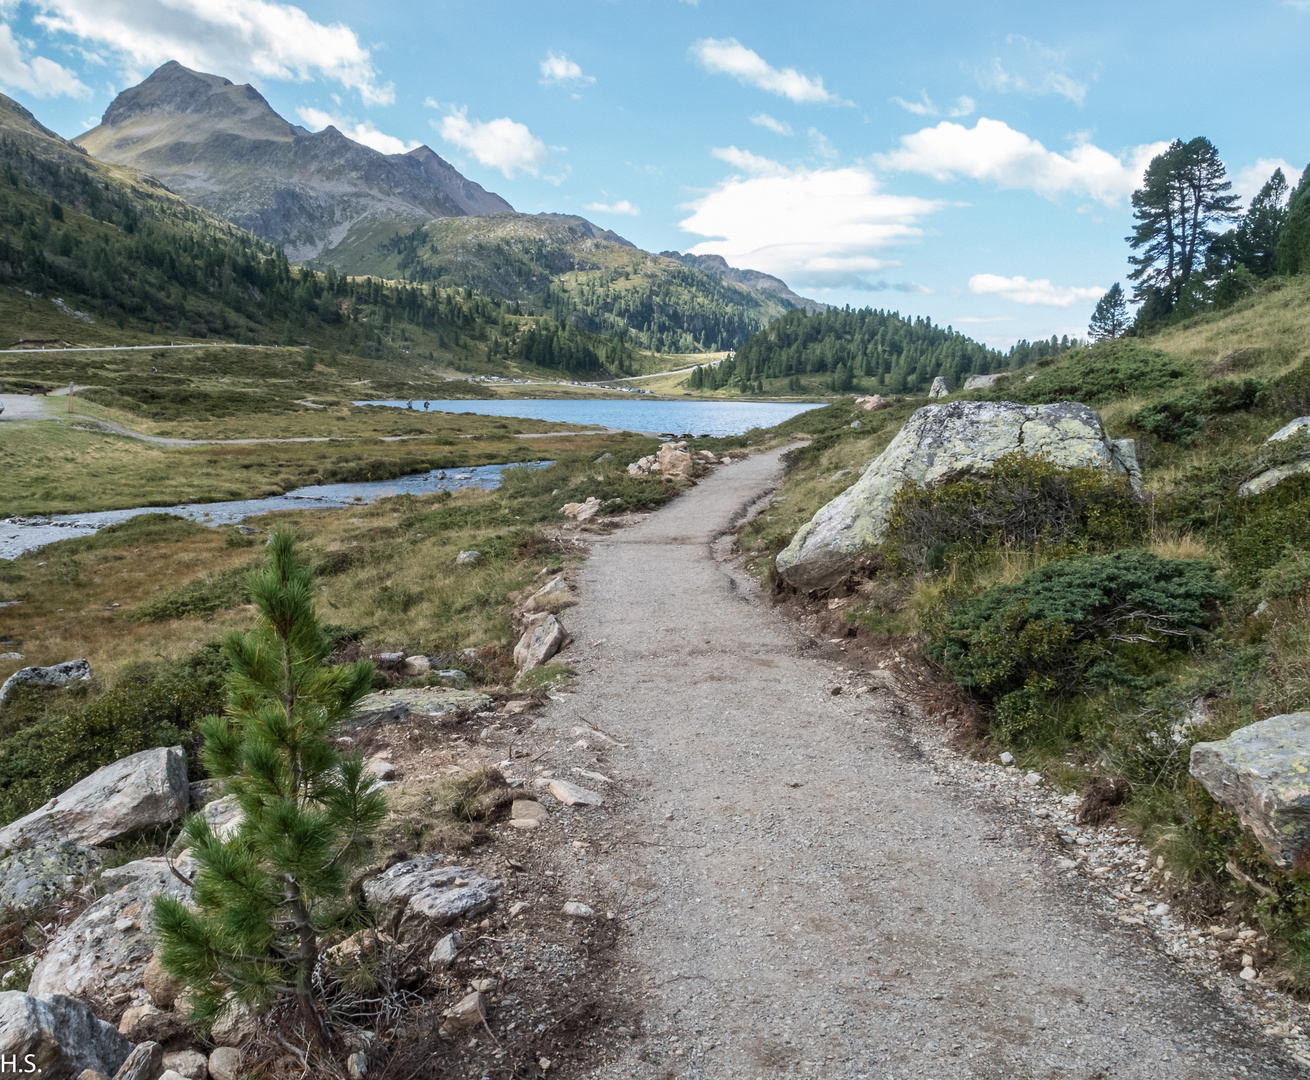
(224, 148)
(752, 279)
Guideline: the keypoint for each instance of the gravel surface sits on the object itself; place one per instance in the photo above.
(804, 892)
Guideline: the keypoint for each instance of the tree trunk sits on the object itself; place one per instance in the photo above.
(306, 961)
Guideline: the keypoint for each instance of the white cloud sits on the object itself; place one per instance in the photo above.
(502, 144)
(40, 77)
(557, 69)
(622, 206)
(237, 38)
(822, 146)
(992, 150)
(1248, 182)
(925, 106)
(361, 131)
(1039, 71)
(728, 56)
(821, 227)
(1039, 291)
(764, 120)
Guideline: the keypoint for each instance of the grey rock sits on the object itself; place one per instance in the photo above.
(444, 951)
(63, 1036)
(224, 816)
(857, 424)
(40, 875)
(380, 769)
(468, 1012)
(939, 389)
(572, 795)
(528, 810)
(1272, 477)
(467, 558)
(143, 1063)
(204, 792)
(235, 1026)
(148, 1023)
(575, 909)
(163, 989)
(1262, 773)
(983, 382)
(357, 1065)
(225, 1063)
(420, 893)
(105, 950)
(143, 791)
(542, 639)
(417, 665)
(55, 675)
(940, 443)
(395, 706)
(390, 659)
(454, 675)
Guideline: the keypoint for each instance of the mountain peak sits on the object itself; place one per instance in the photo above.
(173, 88)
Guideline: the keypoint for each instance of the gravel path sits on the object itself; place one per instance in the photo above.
(805, 895)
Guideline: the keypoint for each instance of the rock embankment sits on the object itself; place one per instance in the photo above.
(940, 443)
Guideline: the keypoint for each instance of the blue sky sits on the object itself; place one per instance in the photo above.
(970, 162)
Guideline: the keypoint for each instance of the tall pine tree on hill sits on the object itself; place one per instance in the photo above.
(1110, 318)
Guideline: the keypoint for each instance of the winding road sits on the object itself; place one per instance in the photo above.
(805, 894)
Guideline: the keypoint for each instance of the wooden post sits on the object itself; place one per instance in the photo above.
(70, 397)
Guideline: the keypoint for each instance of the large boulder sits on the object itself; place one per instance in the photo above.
(103, 953)
(940, 443)
(62, 1036)
(543, 637)
(1262, 773)
(55, 675)
(396, 706)
(1278, 473)
(33, 877)
(983, 382)
(674, 461)
(422, 893)
(143, 791)
(940, 388)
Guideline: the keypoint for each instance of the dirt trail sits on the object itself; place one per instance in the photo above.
(805, 895)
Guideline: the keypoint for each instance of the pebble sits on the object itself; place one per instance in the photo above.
(1007, 758)
(578, 910)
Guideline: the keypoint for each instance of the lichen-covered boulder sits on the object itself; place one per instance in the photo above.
(103, 953)
(423, 893)
(940, 443)
(63, 1037)
(1278, 473)
(141, 791)
(1262, 773)
(35, 876)
(54, 675)
(395, 706)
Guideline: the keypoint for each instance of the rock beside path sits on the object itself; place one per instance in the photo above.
(1262, 773)
(940, 443)
(394, 706)
(55, 675)
(104, 952)
(63, 1037)
(142, 791)
(542, 638)
(420, 893)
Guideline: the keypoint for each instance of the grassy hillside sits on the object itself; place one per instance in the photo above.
(1017, 609)
(568, 268)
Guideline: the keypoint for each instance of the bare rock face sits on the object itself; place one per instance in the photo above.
(62, 1036)
(1262, 773)
(425, 893)
(1270, 477)
(983, 382)
(45, 873)
(543, 637)
(55, 675)
(143, 791)
(940, 443)
(105, 950)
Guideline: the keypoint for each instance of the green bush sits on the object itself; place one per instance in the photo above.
(150, 706)
(211, 593)
(1099, 375)
(1024, 502)
(1182, 417)
(1259, 531)
(1079, 623)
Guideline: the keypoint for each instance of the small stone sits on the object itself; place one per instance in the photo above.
(225, 1063)
(518, 908)
(1007, 758)
(143, 1063)
(466, 1013)
(170, 1074)
(1033, 779)
(484, 985)
(1160, 910)
(91, 1074)
(525, 824)
(357, 1065)
(579, 911)
(188, 1063)
(146, 1023)
(417, 665)
(380, 769)
(572, 795)
(528, 810)
(235, 1026)
(544, 1063)
(160, 985)
(453, 675)
(444, 952)
(1249, 974)
(467, 558)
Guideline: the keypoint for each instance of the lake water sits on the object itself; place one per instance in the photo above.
(678, 417)
(18, 535)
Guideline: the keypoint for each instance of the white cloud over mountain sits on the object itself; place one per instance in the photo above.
(361, 131)
(502, 144)
(620, 206)
(1040, 291)
(992, 150)
(818, 228)
(237, 38)
(728, 56)
(40, 76)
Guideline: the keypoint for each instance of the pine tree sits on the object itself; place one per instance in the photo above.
(1183, 195)
(1293, 251)
(1256, 239)
(1110, 318)
(261, 898)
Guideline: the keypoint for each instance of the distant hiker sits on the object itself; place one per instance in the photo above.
(409, 404)
(425, 406)
(154, 371)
